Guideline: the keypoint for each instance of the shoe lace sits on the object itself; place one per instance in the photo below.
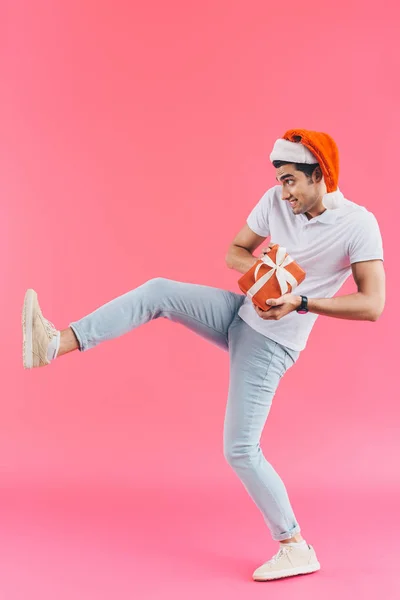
(49, 327)
(283, 551)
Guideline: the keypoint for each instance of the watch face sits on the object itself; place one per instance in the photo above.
(302, 311)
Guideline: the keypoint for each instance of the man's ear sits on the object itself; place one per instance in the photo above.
(318, 174)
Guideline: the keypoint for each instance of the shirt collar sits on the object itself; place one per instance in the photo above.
(328, 216)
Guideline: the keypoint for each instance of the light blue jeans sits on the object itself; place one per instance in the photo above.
(256, 367)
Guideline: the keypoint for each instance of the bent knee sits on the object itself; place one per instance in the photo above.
(240, 456)
(156, 281)
(158, 284)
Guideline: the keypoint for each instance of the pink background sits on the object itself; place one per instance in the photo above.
(134, 142)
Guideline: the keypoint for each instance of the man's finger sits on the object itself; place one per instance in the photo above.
(276, 301)
(267, 315)
(268, 248)
(259, 310)
(271, 315)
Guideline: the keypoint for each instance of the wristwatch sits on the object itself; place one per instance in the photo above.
(303, 308)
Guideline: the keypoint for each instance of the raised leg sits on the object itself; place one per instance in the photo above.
(205, 310)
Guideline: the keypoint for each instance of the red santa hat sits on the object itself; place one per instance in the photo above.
(311, 147)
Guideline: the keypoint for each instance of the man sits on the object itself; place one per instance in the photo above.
(330, 237)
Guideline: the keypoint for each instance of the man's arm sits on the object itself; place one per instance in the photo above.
(365, 305)
(240, 254)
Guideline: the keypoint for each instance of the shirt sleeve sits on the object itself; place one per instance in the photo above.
(259, 216)
(366, 243)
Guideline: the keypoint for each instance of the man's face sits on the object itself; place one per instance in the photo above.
(303, 194)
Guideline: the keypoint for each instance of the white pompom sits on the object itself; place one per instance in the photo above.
(333, 200)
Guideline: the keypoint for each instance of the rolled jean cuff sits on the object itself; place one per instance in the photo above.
(285, 536)
(82, 341)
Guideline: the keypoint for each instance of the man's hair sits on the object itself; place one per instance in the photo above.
(308, 170)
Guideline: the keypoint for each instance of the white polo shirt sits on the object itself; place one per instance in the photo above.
(325, 247)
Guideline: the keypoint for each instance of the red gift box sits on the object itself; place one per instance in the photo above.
(272, 276)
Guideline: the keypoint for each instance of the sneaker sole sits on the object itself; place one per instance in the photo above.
(289, 573)
(27, 328)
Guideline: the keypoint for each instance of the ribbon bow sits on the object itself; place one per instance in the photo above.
(283, 276)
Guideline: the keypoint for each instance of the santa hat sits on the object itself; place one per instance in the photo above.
(311, 147)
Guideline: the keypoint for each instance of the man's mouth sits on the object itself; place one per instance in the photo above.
(293, 202)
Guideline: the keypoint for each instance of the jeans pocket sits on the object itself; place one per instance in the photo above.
(235, 321)
(287, 362)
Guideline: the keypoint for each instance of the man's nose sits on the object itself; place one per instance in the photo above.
(285, 194)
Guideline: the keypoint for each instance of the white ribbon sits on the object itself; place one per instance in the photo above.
(283, 276)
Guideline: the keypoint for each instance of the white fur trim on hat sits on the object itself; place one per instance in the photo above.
(292, 152)
(333, 200)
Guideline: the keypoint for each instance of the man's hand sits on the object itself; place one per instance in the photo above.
(280, 307)
(266, 250)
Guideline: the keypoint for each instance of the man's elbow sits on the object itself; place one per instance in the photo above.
(229, 259)
(376, 312)
(374, 316)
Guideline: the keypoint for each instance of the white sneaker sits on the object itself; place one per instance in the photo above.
(37, 333)
(289, 561)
